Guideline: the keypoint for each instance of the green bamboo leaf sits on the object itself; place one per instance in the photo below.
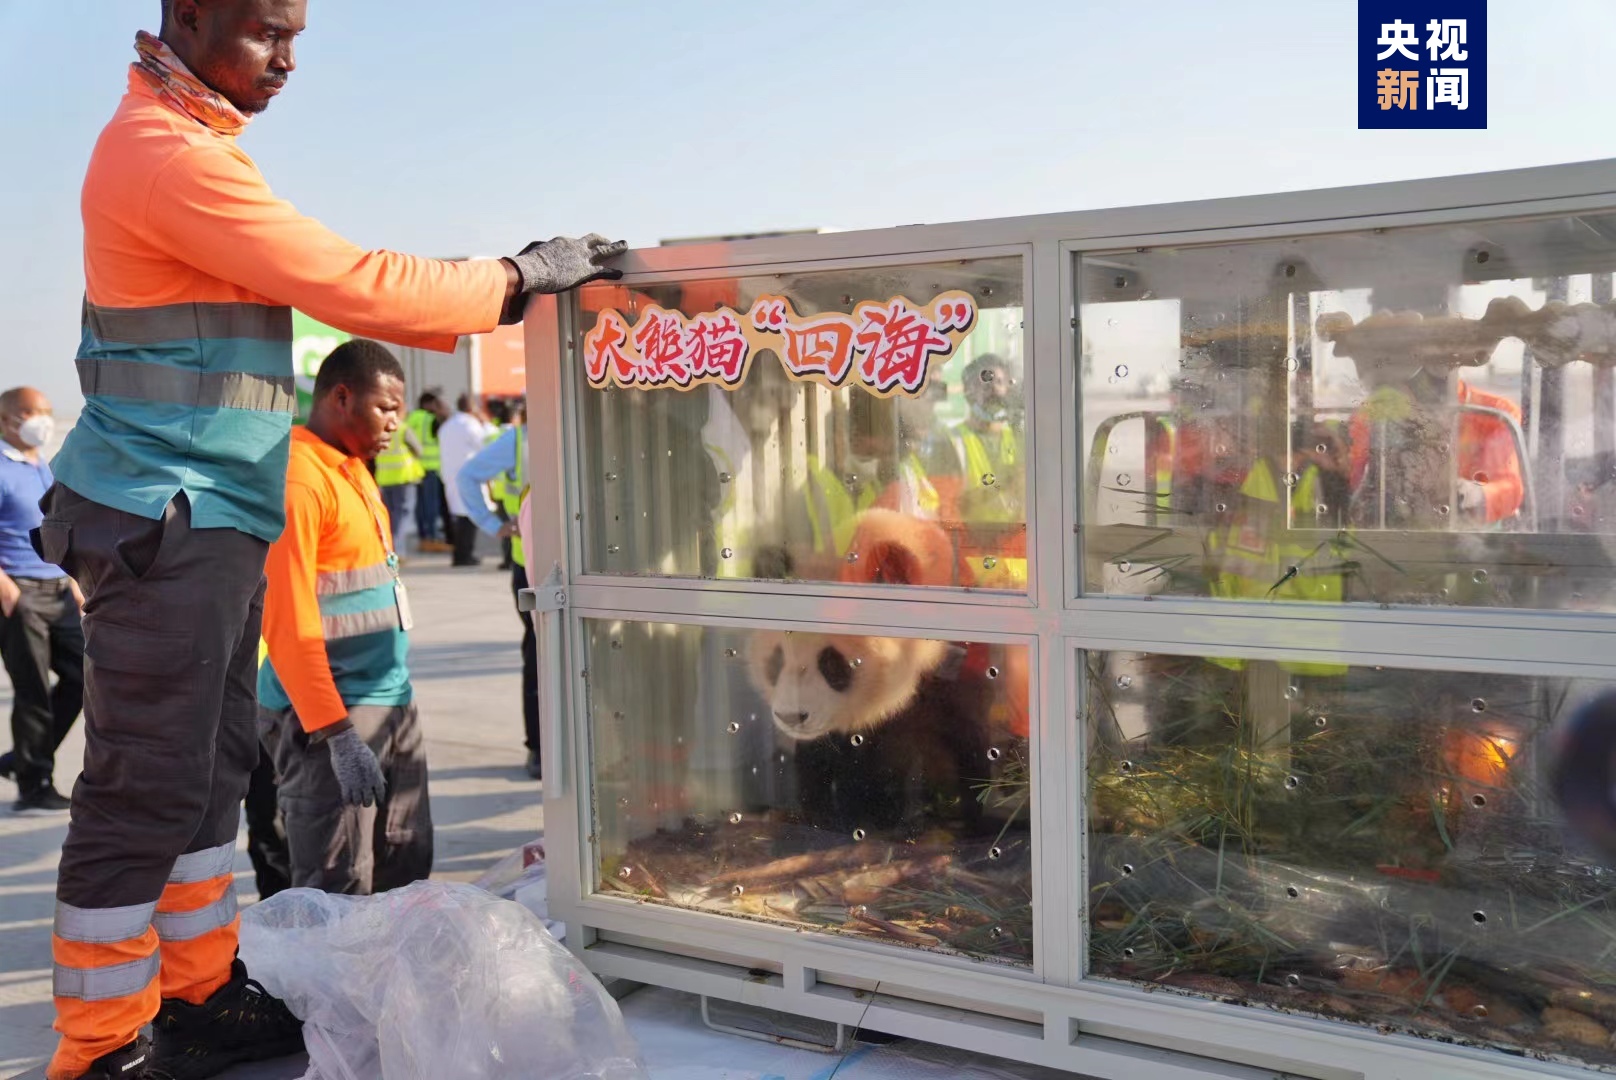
(1441, 826)
(1350, 540)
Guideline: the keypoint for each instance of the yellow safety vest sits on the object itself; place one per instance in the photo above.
(496, 486)
(998, 500)
(420, 422)
(397, 465)
(919, 496)
(979, 461)
(512, 490)
(832, 510)
(1249, 563)
(1001, 503)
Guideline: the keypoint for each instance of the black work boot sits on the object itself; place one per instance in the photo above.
(240, 1022)
(132, 1062)
(41, 801)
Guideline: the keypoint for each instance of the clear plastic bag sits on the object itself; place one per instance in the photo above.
(520, 876)
(431, 981)
(506, 876)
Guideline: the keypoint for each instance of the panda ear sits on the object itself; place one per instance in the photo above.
(776, 664)
(952, 664)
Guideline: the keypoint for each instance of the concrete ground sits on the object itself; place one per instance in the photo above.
(467, 670)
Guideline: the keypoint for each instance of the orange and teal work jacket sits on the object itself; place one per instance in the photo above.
(330, 618)
(192, 266)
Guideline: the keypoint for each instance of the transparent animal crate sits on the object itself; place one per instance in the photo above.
(1129, 641)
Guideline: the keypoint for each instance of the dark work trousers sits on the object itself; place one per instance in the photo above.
(445, 515)
(428, 505)
(172, 617)
(506, 551)
(396, 497)
(42, 637)
(354, 849)
(266, 835)
(530, 663)
(465, 541)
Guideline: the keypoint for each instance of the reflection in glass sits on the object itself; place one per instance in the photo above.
(784, 479)
(1368, 844)
(1406, 416)
(851, 784)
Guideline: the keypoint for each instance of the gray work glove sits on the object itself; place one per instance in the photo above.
(359, 774)
(553, 266)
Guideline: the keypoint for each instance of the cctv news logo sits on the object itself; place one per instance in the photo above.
(1422, 64)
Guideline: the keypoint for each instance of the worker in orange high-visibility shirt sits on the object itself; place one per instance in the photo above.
(168, 493)
(335, 697)
(1490, 487)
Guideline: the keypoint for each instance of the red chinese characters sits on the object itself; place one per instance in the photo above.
(716, 347)
(897, 342)
(887, 346)
(604, 358)
(660, 339)
(664, 347)
(820, 345)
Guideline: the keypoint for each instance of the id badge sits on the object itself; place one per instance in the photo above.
(401, 598)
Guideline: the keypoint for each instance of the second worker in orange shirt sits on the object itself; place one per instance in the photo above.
(334, 695)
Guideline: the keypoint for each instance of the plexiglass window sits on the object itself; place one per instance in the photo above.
(1399, 416)
(1369, 844)
(863, 426)
(875, 786)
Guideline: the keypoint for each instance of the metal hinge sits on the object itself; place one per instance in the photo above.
(551, 595)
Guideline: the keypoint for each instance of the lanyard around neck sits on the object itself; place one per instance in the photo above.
(377, 512)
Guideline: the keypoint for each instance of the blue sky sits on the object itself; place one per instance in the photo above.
(473, 127)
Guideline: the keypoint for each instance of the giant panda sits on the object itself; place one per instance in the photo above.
(888, 733)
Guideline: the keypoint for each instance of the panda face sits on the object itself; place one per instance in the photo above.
(820, 684)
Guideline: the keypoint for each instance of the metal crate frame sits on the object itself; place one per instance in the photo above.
(1053, 1014)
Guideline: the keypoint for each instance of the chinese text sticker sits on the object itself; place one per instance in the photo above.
(888, 347)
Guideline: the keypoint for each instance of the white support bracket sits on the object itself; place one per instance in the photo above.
(546, 603)
(550, 595)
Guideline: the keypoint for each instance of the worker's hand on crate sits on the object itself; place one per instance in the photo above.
(553, 266)
(359, 774)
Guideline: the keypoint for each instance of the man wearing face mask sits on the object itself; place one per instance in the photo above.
(169, 491)
(987, 443)
(40, 635)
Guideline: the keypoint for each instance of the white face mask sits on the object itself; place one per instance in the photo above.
(36, 431)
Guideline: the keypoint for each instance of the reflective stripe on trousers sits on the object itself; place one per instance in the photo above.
(202, 865)
(189, 925)
(198, 903)
(105, 983)
(107, 961)
(78, 930)
(172, 732)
